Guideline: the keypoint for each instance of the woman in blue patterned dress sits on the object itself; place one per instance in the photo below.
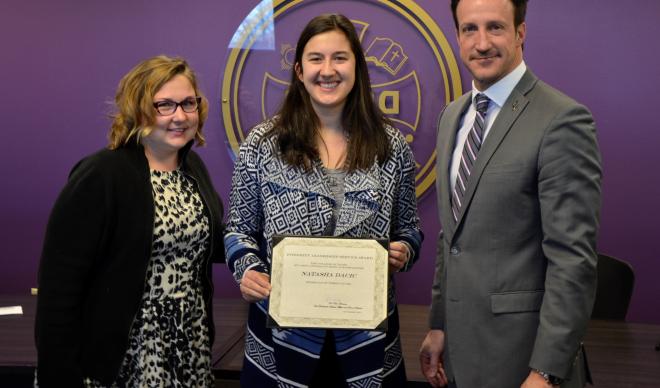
(329, 163)
(125, 275)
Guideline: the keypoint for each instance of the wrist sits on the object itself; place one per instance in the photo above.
(551, 379)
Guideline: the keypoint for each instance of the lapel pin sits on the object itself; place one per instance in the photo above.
(515, 105)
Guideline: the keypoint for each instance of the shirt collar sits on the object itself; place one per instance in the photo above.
(500, 90)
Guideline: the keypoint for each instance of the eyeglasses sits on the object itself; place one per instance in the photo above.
(168, 107)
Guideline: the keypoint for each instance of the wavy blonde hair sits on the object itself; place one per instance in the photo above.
(135, 113)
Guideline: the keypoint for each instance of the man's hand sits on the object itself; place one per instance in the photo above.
(430, 358)
(255, 286)
(535, 380)
(398, 256)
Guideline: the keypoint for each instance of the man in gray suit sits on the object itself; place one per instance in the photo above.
(519, 196)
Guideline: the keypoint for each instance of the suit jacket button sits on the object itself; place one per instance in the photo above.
(455, 250)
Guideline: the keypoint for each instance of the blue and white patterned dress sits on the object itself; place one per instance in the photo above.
(270, 197)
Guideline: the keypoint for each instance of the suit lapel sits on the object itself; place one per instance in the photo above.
(447, 130)
(511, 110)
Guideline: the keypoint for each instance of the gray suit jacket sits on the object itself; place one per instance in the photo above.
(516, 274)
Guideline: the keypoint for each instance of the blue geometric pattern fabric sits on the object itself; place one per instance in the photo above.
(270, 197)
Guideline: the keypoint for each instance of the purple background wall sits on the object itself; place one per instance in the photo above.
(61, 62)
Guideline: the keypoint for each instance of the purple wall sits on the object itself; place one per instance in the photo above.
(61, 63)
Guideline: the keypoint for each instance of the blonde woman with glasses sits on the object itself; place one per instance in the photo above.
(125, 276)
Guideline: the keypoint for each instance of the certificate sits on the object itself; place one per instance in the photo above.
(323, 282)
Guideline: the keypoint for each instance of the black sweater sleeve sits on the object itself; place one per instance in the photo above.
(73, 235)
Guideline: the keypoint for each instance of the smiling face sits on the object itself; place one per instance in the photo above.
(172, 132)
(327, 69)
(490, 44)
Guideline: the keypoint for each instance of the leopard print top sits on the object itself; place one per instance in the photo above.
(169, 344)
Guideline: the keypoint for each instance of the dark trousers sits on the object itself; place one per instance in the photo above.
(328, 373)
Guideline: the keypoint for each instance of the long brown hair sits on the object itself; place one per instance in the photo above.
(135, 96)
(296, 124)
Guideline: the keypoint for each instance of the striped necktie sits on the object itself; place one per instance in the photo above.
(470, 152)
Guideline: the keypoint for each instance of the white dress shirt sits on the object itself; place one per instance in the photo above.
(498, 93)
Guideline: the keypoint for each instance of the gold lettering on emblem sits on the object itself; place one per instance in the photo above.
(388, 102)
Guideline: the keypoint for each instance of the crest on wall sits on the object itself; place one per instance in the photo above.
(413, 70)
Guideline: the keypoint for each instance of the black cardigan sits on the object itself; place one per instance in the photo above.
(93, 266)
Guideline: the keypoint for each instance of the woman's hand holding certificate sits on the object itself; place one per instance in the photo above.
(255, 286)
